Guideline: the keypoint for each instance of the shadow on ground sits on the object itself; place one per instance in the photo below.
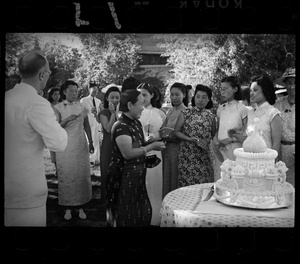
(94, 210)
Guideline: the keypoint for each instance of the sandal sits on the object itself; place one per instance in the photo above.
(67, 215)
(81, 214)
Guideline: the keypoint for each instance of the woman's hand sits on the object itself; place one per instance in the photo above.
(202, 143)
(194, 139)
(71, 118)
(222, 143)
(111, 108)
(158, 145)
(91, 148)
(94, 111)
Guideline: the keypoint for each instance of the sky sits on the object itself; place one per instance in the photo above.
(66, 38)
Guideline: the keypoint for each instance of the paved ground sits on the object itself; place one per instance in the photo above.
(94, 210)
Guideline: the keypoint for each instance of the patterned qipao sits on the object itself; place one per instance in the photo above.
(194, 163)
(127, 196)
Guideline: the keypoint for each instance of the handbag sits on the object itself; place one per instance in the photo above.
(167, 134)
(152, 161)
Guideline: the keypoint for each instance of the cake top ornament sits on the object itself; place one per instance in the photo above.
(255, 143)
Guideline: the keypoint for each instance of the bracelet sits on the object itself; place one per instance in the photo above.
(144, 149)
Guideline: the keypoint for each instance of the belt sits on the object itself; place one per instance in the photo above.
(283, 142)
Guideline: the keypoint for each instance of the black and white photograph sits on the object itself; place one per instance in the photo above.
(116, 125)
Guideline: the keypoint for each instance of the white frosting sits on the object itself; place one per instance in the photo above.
(254, 175)
(269, 154)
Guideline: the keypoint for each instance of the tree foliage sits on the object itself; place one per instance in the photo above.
(107, 58)
(63, 60)
(193, 58)
(206, 59)
(16, 44)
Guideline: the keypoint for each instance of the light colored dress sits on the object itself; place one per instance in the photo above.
(152, 119)
(73, 165)
(87, 102)
(52, 153)
(288, 136)
(231, 115)
(265, 112)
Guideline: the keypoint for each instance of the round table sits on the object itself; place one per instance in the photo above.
(184, 207)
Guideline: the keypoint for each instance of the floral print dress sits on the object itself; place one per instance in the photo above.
(194, 163)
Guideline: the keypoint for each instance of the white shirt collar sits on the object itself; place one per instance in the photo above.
(26, 86)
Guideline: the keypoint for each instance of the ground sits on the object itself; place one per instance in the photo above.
(94, 210)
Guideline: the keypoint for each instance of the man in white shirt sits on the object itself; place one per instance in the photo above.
(93, 104)
(30, 125)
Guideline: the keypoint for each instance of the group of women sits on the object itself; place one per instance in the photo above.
(134, 185)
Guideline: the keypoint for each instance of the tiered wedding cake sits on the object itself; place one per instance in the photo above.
(254, 180)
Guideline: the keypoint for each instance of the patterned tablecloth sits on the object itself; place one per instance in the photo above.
(183, 208)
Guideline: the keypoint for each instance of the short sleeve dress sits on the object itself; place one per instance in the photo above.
(194, 163)
(127, 197)
(265, 112)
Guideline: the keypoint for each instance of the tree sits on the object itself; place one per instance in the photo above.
(107, 58)
(206, 59)
(16, 44)
(63, 59)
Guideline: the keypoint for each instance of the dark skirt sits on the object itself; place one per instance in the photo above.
(105, 159)
(127, 198)
(170, 170)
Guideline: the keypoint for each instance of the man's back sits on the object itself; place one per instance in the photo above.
(30, 124)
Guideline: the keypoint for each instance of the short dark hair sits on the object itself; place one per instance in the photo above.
(92, 85)
(130, 83)
(207, 90)
(31, 63)
(183, 89)
(110, 90)
(234, 82)
(130, 95)
(51, 92)
(64, 86)
(267, 87)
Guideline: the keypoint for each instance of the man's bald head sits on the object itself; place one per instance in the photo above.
(31, 63)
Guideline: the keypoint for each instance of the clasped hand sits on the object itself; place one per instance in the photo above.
(91, 148)
(158, 145)
(72, 118)
(202, 143)
(222, 143)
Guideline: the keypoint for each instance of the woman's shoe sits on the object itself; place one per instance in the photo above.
(81, 214)
(68, 215)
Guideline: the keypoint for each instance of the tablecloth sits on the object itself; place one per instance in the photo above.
(183, 208)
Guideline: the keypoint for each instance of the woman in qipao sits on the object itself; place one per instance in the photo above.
(152, 119)
(196, 127)
(73, 164)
